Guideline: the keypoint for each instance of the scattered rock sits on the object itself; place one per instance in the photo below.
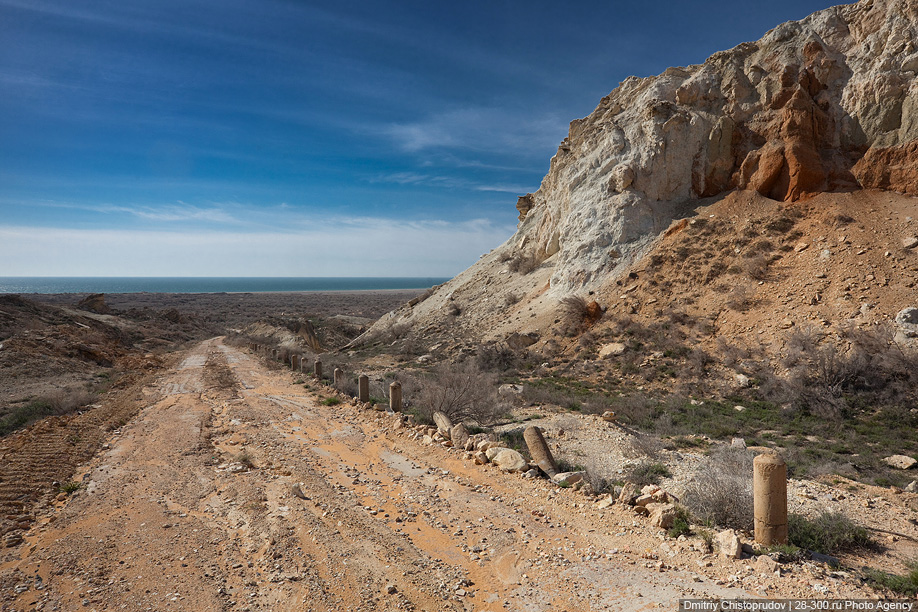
(662, 515)
(567, 479)
(510, 389)
(509, 460)
(909, 243)
(901, 462)
(742, 380)
(628, 494)
(604, 503)
(729, 545)
(459, 435)
(609, 416)
(613, 349)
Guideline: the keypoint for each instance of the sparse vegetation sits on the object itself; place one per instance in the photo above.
(460, 391)
(69, 488)
(63, 401)
(648, 472)
(720, 494)
(904, 584)
(523, 263)
(828, 533)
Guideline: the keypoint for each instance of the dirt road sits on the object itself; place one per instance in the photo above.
(237, 489)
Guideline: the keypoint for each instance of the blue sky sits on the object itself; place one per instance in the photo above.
(295, 138)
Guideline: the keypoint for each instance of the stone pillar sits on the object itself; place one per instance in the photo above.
(363, 388)
(318, 369)
(339, 374)
(539, 450)
(395, 396)
(769, 490)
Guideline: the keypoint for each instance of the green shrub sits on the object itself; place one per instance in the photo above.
(647, 472)
(828, 533)
(331, 401)
(901, 585)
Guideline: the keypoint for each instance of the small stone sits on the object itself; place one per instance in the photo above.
(604, 503)
(508, 460)
(609, 416)
(901, 462)
(910, 242)
(566, 479)
(801, 246)
(613, 349)
(662, 515)
(390, 589)
(729, 545)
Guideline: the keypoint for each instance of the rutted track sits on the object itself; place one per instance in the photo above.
(51, 450)
(251, 495)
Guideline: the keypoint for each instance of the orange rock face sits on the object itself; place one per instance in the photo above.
(893, 168)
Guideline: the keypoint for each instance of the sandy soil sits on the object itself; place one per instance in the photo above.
(235, 488)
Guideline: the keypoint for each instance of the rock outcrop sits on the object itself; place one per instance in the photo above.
(826, 103)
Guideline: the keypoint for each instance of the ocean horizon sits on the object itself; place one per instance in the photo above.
(142, 284)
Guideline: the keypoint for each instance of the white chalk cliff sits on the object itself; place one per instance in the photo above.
(827, 103)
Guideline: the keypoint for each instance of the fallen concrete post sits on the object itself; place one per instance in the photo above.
(443, 423)
(769, 491)
(539, 451)
(363, 388)
(395, 396)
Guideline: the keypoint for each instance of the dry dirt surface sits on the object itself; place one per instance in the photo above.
(235, 488)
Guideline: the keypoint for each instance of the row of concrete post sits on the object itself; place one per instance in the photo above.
(769, 472)
(297, 363)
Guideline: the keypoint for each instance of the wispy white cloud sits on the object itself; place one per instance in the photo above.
(336, 247)
(479, 129)
(417, 178)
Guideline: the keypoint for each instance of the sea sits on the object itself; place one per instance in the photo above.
(48, 284)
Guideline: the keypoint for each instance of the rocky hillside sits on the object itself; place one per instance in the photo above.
(828, 104)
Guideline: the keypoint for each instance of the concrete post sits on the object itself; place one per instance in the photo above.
(339, 374)
(769, 490)
(294, 362)
(318, 369)
(363, 388)
(395, 396)
(539, 451)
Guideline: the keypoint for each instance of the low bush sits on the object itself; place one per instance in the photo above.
(460, 391)
(828, 533)
(648, 472)
(721, 491)
(523, 263)
(906, 584)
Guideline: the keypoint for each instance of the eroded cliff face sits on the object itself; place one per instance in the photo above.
(827, 103)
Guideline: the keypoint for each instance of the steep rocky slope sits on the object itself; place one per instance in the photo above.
(826, 104)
